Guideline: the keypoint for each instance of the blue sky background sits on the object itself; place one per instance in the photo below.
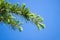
(48, 9)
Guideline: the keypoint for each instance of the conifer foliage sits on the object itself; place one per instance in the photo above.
(6, 9)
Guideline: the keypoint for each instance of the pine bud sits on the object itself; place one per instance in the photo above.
(38, 26)
(42, 25)
(20, 29)
(23, 5)
(40, 19)
(8, 20)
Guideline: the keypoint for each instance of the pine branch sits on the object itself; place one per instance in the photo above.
(6, 9)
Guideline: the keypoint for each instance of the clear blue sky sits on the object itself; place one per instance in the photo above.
(48, 9)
